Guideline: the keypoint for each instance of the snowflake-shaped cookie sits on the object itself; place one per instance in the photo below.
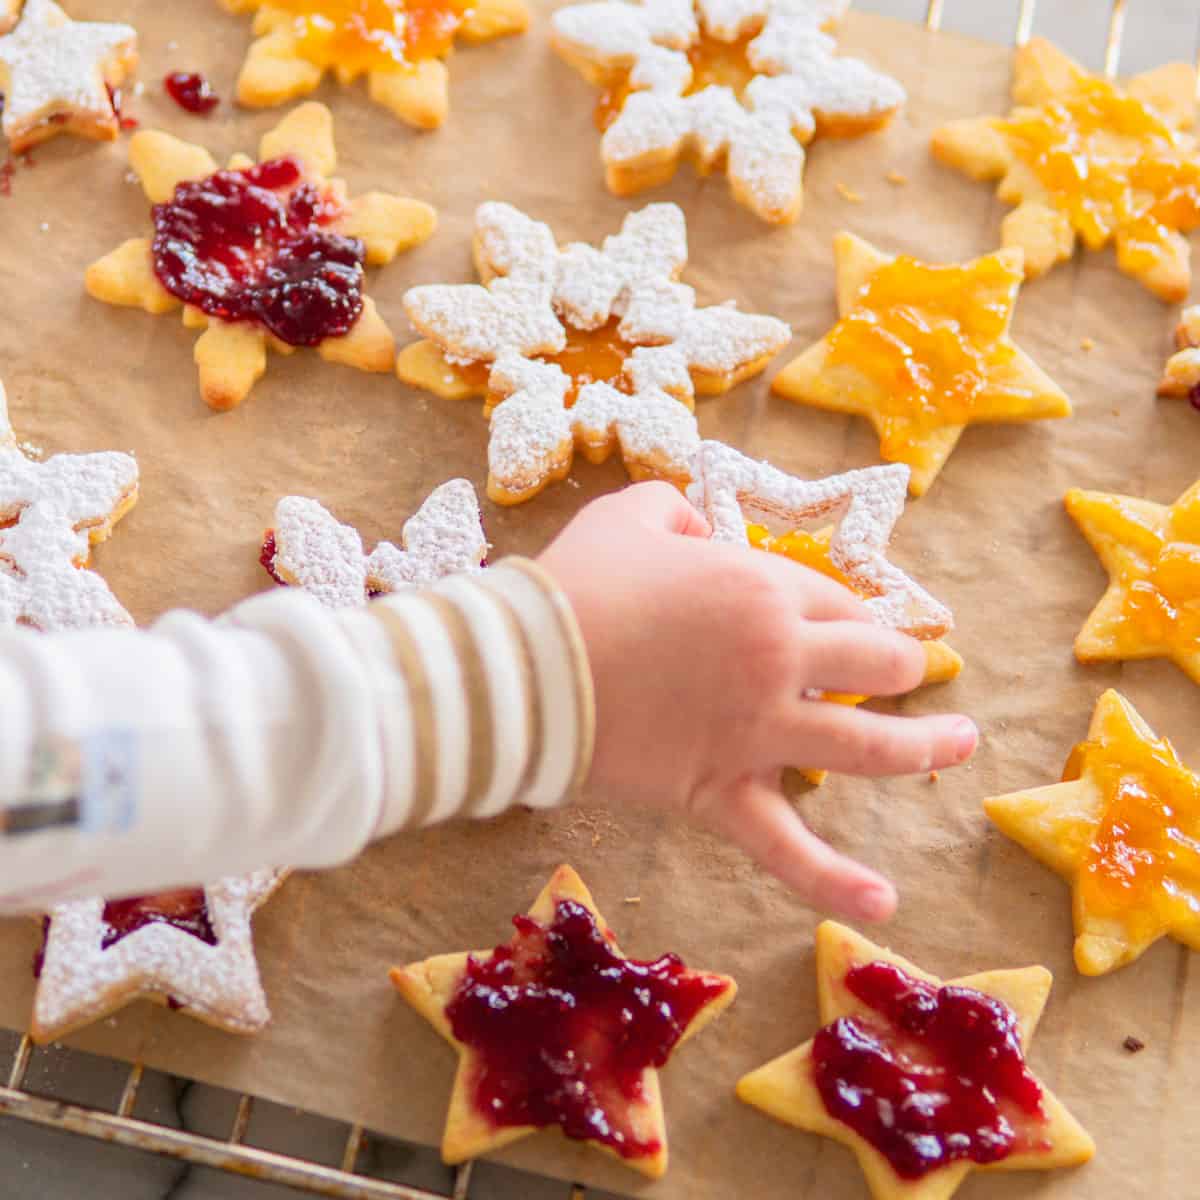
(400, 47)
(231, 354)
(51, 514)
(743, 84)
(308, 548)
(579, 347)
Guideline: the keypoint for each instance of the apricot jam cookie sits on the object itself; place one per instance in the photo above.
(922, 350)
(923, 1080)
(556, 1027)
(1123, 829)
(581, 348)
(737, 85)
(1084, 158)
(399, 45)
(266, 254)
(58, 75)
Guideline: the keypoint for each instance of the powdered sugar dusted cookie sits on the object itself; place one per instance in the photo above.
(582, 348)
(55, 73)
(309, 548)
(51, 514)
(738, 84)
(190, 949)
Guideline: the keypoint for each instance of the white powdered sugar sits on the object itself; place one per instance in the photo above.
(865, 506)
(48, 511)
(325, 558)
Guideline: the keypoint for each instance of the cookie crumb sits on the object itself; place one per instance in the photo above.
(632, 900)
(934, 777)
(896, 177)
(1133, 1044)
(848, 193)
(1087, 343)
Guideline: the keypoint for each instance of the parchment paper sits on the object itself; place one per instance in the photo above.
(991, 539)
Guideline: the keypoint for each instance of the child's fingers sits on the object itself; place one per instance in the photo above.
(850, 656)
(765, 825)
(662, 506)
(819, 597)
(854, 741)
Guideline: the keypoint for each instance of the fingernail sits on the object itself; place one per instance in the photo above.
(876, 903)
(966, 738)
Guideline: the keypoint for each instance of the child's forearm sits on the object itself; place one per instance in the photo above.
(283, 735)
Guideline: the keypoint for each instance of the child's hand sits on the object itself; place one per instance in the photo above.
(701, 654)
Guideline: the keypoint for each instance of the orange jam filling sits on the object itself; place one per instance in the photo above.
(928, 338)
(357, 36)
(1113, 166)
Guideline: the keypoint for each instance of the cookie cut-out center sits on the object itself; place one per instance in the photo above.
(185, 909)
(931, 1075)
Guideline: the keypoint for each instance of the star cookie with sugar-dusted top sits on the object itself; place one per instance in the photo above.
(1181, 375)
(51, 514)
(1123, 829)
(308, 548)
(738, 85)
(266, 255)
(58, 75)
(1082, 157)
(923, 1080)
(922, 350)
(557, 1028)
(399, 45)
(1151, 608)
(579, 348)
(190, 949)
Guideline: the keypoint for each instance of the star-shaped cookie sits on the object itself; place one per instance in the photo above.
(922, 350)
(558, 1027)
(581, 348)
(1123, 829)
(399, 45)
(1082, 157)
(1151, 552)
(56, 74)
(741, 86)
(1181, 375)
(266, 255)
(793, 1089)
(190, 949)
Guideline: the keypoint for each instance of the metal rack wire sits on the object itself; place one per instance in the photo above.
(232, 1153)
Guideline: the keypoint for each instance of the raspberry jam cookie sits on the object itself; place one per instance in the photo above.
(578, 348)
(923, 1081)
(58, 75)
(1123, 829)
(922, 350)
(1181, 376)
(266, 254)
(51, 514)
(1083, 158)
(399, 45)
(309, 549)
(189, 949)
(556, 1027)
(738, 85)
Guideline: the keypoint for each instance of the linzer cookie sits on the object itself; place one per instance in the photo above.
(1083, 158)
(922, 350)
(741, 85)
(399, 45)
(51, 514)
(557, 1028)
(1181, 376)
(579, 348)
(923, 1081)
(261, 255)
(58, 75)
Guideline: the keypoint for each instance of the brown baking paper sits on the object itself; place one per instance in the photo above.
(991, 539)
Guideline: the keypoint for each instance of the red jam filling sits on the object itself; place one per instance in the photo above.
(267, 557)
(563, 1027)
(938, 1078)
(117, 99)
(192, 92)
(253, 245)
(186, 909)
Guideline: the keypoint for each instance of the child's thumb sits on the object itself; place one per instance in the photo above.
(662, 506)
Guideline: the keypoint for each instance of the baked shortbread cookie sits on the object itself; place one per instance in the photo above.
(1181, 376)
(923, 1080)
(740, 85)
(1123, 829)
(261, 255)
(399, 45)
(529, 1060)
(922, 350)
(58, 75)
(578, 348)
(1082, 157)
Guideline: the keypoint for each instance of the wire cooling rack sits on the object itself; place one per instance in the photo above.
(349, 1180)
